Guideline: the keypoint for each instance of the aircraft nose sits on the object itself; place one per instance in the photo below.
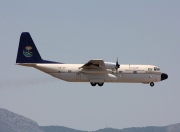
(164, 76)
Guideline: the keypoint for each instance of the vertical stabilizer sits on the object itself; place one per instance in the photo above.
(27, 52)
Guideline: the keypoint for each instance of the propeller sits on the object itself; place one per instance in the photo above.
(117, 64)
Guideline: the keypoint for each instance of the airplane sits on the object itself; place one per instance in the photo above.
(95, 71)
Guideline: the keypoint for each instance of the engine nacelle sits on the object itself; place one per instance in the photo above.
(110, 65)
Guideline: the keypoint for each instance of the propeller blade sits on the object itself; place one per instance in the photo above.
(117, 64)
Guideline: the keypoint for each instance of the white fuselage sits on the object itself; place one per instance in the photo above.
(126, 73)
(95, 71)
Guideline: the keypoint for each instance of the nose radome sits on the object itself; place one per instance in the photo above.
(164, 76)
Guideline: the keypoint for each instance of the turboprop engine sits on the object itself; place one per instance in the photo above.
(111, 65)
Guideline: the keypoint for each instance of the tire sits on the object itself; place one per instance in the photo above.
(151, 84)
(100, 84)
(93, 83)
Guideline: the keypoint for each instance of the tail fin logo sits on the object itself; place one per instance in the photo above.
(27, 52)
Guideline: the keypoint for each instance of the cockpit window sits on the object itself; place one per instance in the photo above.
(156, 69)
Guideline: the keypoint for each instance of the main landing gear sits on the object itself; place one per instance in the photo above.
(151, 84)
(94, 84)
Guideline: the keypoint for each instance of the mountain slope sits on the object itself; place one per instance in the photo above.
(59, 129)
(11, 122)
(134, 129)
(170, 128)
(173, 128)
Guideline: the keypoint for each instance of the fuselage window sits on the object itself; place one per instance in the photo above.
(120, 71)
(149, 69)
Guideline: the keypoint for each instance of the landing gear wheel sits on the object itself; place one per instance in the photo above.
(93, 84)
(100, 84)
(151, 84)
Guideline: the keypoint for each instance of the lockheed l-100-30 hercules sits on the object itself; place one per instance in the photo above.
(95, 71)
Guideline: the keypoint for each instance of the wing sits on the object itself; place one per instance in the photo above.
(94, 64)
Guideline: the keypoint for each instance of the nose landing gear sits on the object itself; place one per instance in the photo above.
(151, 84)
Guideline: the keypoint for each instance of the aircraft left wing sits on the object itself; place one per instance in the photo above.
(94, 64)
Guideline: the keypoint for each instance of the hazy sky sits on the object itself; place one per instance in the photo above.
(69, 31)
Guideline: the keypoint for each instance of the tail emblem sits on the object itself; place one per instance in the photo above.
(27, 52)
